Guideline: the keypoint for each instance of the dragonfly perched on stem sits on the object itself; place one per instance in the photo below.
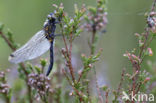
(41, 42)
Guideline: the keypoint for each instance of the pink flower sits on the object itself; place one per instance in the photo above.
(147, 79)
(150, 52)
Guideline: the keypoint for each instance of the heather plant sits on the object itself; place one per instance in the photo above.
(67, 83)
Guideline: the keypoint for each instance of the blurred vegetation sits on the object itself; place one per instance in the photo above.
(125, 18)
(25, 18)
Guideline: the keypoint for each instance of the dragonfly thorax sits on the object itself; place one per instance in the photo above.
(49, 29)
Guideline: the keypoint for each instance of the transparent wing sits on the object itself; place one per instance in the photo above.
(35, 47)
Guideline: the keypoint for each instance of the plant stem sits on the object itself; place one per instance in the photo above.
(93, 40)
(7, 99)
(77, 92)
(70, 56)
(7, 41)
(92, 49)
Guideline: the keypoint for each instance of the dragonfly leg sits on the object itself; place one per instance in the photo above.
(57, 22)
(57, 35)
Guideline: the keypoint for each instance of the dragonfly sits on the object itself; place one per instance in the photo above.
(41, 42)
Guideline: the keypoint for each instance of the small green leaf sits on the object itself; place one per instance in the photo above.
(43, 62)
(38, 69)
(92, 9)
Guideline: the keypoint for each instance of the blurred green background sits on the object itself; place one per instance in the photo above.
(125, 17)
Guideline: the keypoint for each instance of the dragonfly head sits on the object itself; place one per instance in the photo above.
(51, 17)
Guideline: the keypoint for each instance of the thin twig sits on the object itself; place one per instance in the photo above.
(106, 95)
(121, 81)
(77, 92)
(70, 54)
(98, 89)
(7, 99)
(7, 41)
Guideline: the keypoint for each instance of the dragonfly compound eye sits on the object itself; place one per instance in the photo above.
(51, 16)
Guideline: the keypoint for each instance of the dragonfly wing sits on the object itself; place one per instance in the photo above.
(35, 47)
